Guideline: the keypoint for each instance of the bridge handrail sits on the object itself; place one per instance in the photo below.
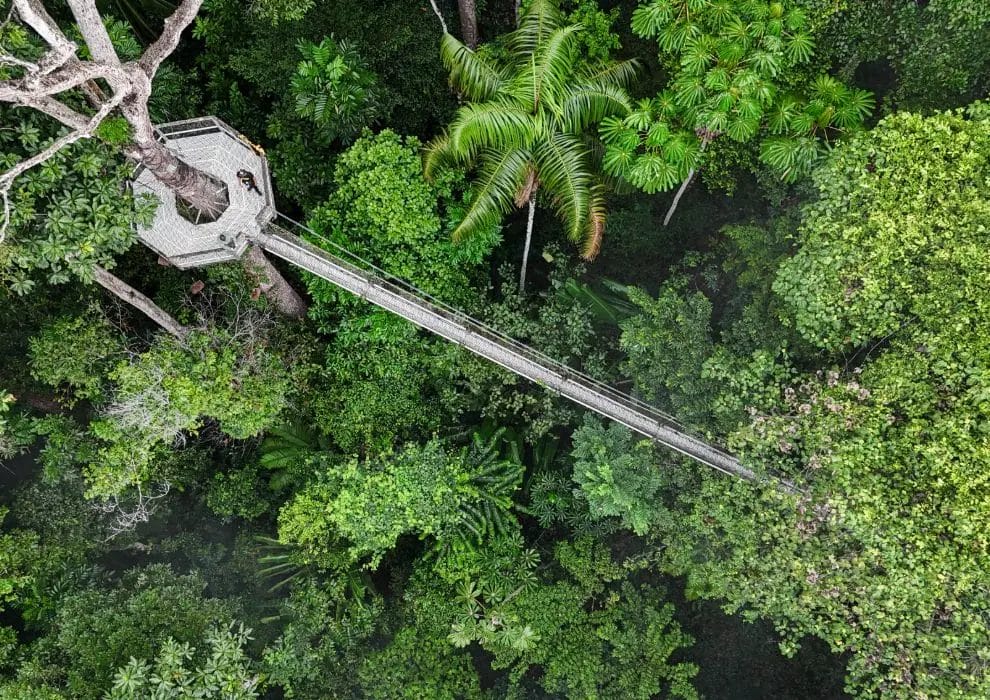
(415, 295)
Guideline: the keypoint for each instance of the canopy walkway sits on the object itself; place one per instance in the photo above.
(392, 294)
(211, 145)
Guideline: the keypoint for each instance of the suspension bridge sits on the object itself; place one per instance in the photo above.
(209, 144)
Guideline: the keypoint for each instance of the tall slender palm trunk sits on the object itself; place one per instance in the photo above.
(684, 185)
(529, 239)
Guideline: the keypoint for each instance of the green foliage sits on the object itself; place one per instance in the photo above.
(171, 388)
(224, 673)
(334, 89)
(16, 562)
(247, 65)
(96, 631)
(67, 214)
(419, 663)
(737, 69)
(383, 382)
(384, 211)
(524, 125)
(115, 131)
(75, 354)
(16, 432)
(290, 451)
(597, 42)
(579, 635)
(560, 326)
(920, 182)
(327, 626)
(881, 553)
(666, 346)
(619, 478)
(238, 492)
(424, 490)
(933, 50)
(278, 11)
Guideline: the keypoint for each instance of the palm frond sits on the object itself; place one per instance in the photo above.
(562, 164)
(501, 176)
(488, 125)
(539, 20)
(588, 104)
(437, 155)
(471, 74)
(617, 73)
(595, 229)
(553, 66)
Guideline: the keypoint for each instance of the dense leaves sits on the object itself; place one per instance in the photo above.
(393, 517)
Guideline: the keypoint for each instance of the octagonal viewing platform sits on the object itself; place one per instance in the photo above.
(210, 145)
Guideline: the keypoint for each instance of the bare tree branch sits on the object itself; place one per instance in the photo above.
(34, 14)
(95, 34)
(14, 61)
(163, 47)
(69, 76)
(58, 111)
(436, 11)
(126, 292)
(127, 519)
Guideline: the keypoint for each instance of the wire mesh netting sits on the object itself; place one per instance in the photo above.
(214, 148)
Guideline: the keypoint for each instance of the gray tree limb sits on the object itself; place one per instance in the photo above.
(684, 185)
(94, 33)
(34, 14)
(167, 42)
(139, 301)
(436, 11)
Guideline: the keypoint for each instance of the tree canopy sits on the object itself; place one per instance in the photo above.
(242, 481)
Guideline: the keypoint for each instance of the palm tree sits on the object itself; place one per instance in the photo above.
(525, 127)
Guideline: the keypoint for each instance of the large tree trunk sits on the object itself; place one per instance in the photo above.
(529, 239)
(469, 22)
(273, 284)
(196, 188)
(127, 293)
